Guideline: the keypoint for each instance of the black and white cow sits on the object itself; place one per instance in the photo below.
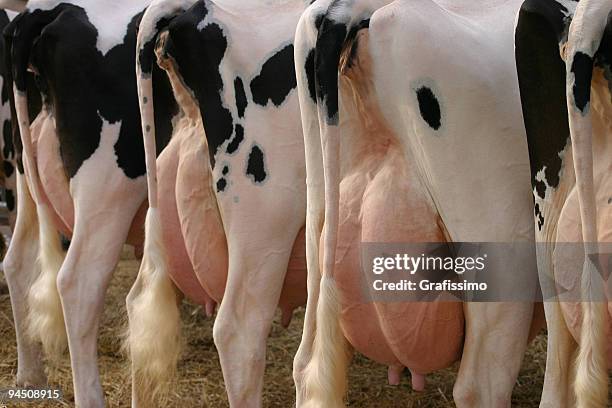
(80, 172)
(231, 181)
(564, 60)
(432, 85)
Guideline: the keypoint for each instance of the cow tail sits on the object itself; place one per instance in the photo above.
(45, 315)
(586, 30)
(325, 383)
(153, 337)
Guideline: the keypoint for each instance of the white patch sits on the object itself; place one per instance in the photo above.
(205, 21)
(11, 14)
(109, 17)
(570, 5)
(104, 155)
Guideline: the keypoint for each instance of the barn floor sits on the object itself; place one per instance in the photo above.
(200, 382)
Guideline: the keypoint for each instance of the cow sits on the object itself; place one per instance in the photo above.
(233, 175)
(563, 60)
(441, 109)
(80, 171)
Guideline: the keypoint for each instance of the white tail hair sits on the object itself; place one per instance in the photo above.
(153, 339)
(586, 30)
(325, 375)
(45, 317)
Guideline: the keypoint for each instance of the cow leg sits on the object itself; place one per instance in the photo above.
(21, 268)
(496, 339)
(255, 278)
(100, 231)
(82, 281)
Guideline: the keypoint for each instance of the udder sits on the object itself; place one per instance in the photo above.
(196, 241)
(200, 222)
(53, 183)
(179, 263)
(294, 291)
(381, 202)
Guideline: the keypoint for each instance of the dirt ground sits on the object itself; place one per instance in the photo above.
(200, 382)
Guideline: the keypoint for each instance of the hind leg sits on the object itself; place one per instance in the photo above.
(257, 268)
(561, 348)
(82, 281)
(104, 210)
(21, 269)
(496, 339)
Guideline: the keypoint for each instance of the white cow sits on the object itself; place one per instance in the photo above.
(432, 82)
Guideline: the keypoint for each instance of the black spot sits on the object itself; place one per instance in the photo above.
(8, 168)
(85, 86)
(241, 100)
(276, 79)
(10, 200)
(539, 216)
(610, 200)
(225, 170)
(329, 44)
(582, 67)
(310, 74)
(540, 188)
(429, 107)
(65, 242)
(7, 138)
(235, 142)
(200, 71)
(255, 165)
(221, 184)
(541, 74)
